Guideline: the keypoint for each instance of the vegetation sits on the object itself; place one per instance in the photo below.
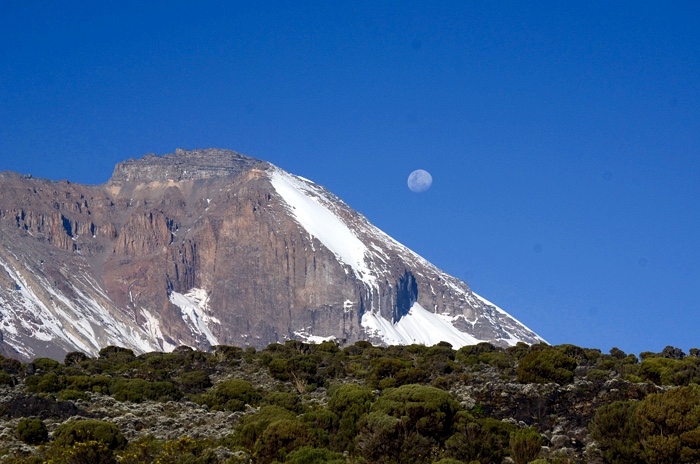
(299, 403)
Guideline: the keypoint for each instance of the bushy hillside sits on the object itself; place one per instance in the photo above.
(306, 404)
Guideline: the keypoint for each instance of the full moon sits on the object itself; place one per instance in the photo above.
(420, 181)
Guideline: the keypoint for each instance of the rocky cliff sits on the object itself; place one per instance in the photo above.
(210, 247)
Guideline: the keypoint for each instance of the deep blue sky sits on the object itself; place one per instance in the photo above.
(563, 138)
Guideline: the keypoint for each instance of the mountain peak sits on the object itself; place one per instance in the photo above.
(183, 165)
(188, 249)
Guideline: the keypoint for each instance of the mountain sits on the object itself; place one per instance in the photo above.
(211, 247)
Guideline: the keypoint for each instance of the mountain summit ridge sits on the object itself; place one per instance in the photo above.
(208, 247)
(183, 165)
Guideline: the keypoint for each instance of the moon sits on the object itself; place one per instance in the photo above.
(419, 181)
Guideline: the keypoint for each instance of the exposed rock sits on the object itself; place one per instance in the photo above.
(202, 248)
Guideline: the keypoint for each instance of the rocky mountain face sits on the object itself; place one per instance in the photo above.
(211, 247)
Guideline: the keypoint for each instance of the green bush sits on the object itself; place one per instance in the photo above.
(251, 427)
(322, 424)
(670, 371)
(663, 428)
(615, 429)
(669, 426)
(47, 364)
(194, 381)
(72, 395)
(46, 383)
(482, 440)
(279, 438)
(310, 455)
(138, 390)
(6, 379)
(349, 403)
(74, 358)
(525, 445)
(380, 437)
(88, 383)
(9, 365)
(546, 365)
(427, 410)
(86, 430)
(385, 370)
(232, 395)
(32, 431)
(87, 452)
(188, 450)
(117, 354)
(285, 400)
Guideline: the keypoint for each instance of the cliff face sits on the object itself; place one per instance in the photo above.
(212, 247)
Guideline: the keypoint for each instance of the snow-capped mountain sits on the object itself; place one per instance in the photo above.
(211, 247)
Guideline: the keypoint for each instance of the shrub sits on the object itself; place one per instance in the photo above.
(285, 400)
(482, 440)
(74, 358)
(349, 402)
(47, 364)
(322, 424)
(89, 452)
(187, 450)
(428, 410)
(232, 395)
(379, 437)
(546, 365)
(525, 445)
(6, 379)
(32, 431)
(194, 381)
(670, 371)
(85, 383)
(615, 430)
(117, 354)
(10, 365)
(47, 383)
(145, 449)
(86, 430)
(310, 455)
(138, 390)
(72, 395)
(383, 369)
(227, 353)
(669, 426)
(279, 438)
(251, 427)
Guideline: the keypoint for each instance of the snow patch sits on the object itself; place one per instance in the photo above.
(418, 326)
(194, 306)
(307, 206)
(152, 328)
(308, 338)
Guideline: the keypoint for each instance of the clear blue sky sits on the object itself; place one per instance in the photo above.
(563, 137)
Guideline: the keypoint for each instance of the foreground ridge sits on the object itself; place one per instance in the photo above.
(297, 402)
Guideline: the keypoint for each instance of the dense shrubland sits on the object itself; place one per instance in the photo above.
(300, 403)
